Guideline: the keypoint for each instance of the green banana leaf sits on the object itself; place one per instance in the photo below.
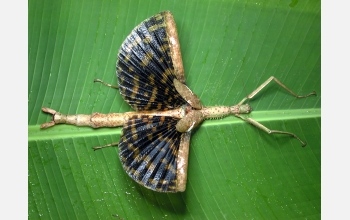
(229, 48)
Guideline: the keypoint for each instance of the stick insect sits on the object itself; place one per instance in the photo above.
(155, 139)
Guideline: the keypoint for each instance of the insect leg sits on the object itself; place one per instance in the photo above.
(105, 146)
(257, 90)
(106, 84)
(262, 127)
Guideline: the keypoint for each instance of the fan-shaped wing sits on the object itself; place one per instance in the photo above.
(149, 150)
(148, 61)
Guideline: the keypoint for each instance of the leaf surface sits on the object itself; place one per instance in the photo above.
(229, 48)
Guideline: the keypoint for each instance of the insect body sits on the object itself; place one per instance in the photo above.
(154, 144)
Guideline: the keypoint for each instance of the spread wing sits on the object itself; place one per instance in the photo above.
(151, 150)
(148, 150)
(148, 61)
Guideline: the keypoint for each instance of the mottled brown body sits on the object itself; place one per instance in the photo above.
(98, 120)
(190, 117)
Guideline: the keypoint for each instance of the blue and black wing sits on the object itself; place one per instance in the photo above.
(151, 150)
(148, 62)
(148, 150)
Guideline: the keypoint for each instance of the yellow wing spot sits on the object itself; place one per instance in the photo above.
(164, 181)
(128, 47)
(164, 79)
(171, 169)
(134, 44)
(135, 172)
(164, 48)
(148, 57)
(169, 55)
(151, 79)
(152, 181)
(164, 160)
(120, 70)
(166, 92)
(136, 80)
(145, 120)
(169, 126)
(154, 95)
(149, 136)
(151, 167)
(135, 90)
(133, 129)
(152, 98)
(172, 187)
(137, 101)
(154, 129)
(135, 136)
(130, 69)
(156, 27)
(147, 106)
(158, 17)
(147, 39)
(123, 139)
(147, 159)
(166, 139)
(165, 75)
(167, 72)
(127, 58)
(134, 149)
(176, 96)
(123, 159)
(174, 149)
(137, 40)
(131, 147)
(150, 122)
(153, 28)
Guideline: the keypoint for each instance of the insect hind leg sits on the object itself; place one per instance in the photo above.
(267, 130)
(272, 78)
